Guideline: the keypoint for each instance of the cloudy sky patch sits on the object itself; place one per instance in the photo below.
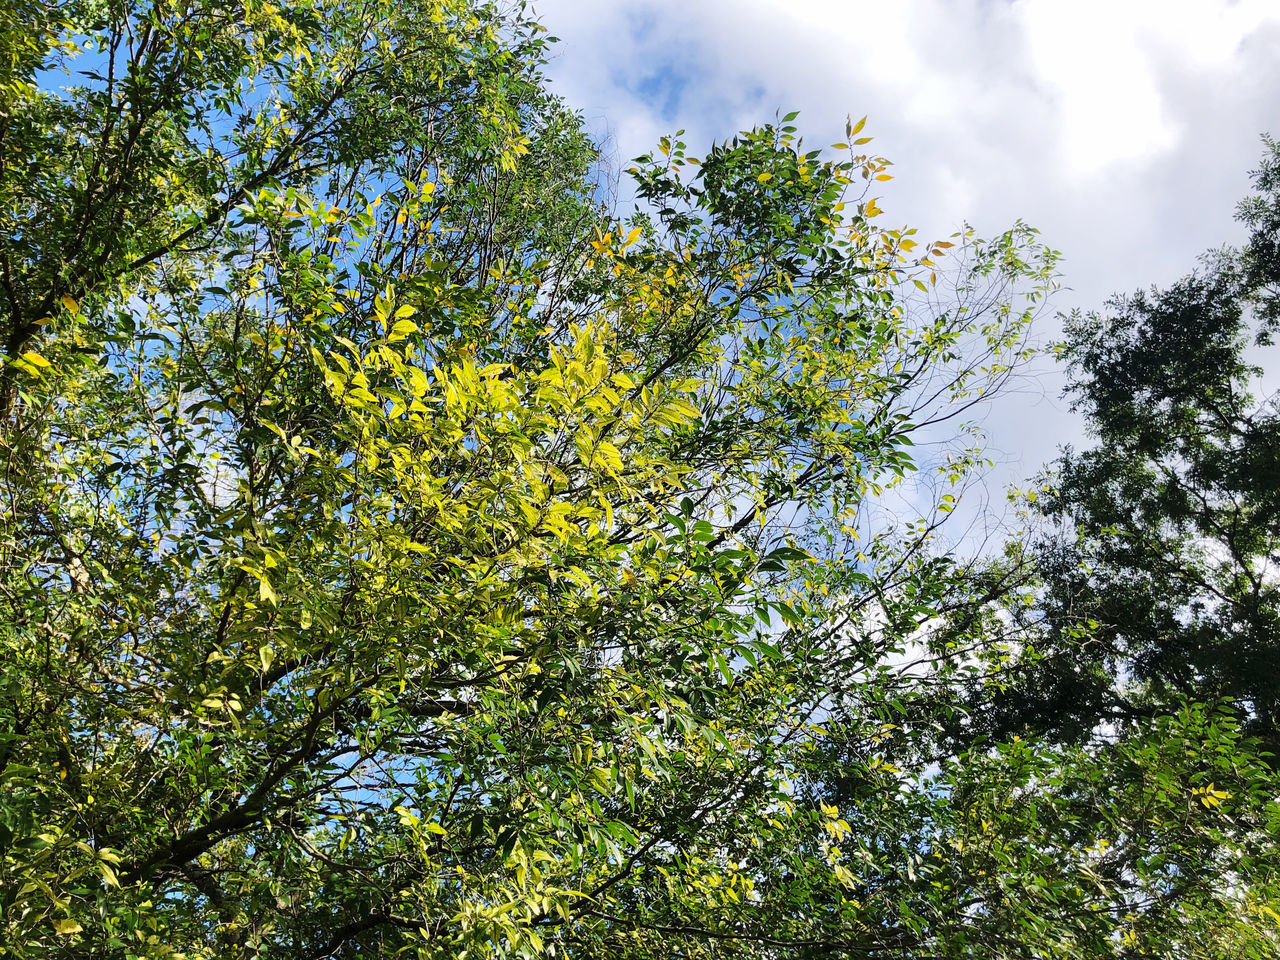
(1123, 129)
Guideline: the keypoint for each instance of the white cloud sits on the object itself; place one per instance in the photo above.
(1124, 129)
(1104, 90)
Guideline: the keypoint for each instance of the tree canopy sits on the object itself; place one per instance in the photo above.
(405, 553)
(1172, 522)
(1148, 584)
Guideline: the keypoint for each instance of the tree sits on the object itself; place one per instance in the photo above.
(401, 553)
(1132, 639)
(1164, 557)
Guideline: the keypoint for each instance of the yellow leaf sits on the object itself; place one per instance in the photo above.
(35, 359)
(401, 329)
(70, 303)
(765, 177)
(66, 926)
(108, 875)
(611, 456)
(418, 382)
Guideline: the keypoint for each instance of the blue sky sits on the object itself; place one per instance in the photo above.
(1124, 130)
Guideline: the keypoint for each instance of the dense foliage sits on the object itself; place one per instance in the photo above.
(1177, 509)
(403, 554)
(1149, 590)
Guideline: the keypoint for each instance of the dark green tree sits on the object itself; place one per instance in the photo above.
(1129, 642)
(1161, 576)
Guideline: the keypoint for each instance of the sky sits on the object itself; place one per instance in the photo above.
(1124, 130)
